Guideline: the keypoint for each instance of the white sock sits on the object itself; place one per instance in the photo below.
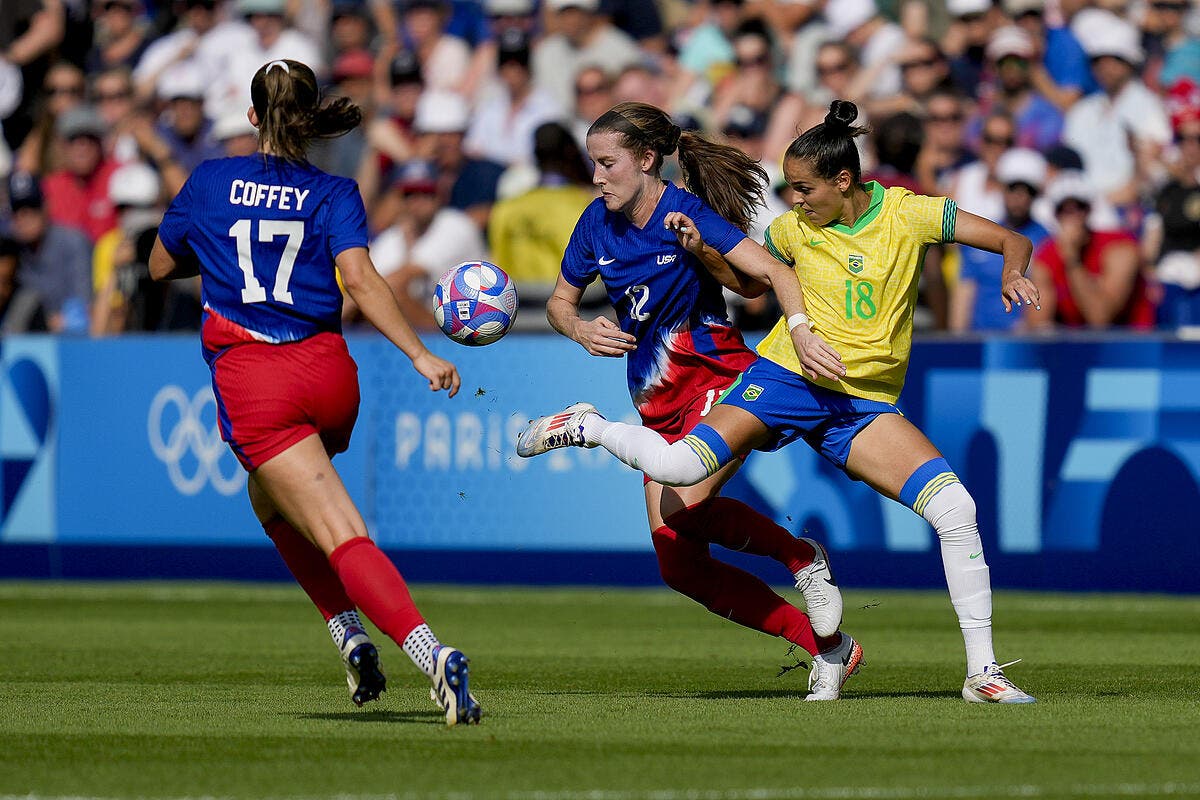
(338, 624)
(641, 448)
(419, 644)
(951, 512)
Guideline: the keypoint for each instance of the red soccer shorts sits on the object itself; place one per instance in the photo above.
(270, 396)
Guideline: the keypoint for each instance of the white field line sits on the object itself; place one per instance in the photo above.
(1168, 789)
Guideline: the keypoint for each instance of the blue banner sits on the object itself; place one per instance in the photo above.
(1083, 456)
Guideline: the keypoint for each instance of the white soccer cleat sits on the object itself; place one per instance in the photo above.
(451, 688)
(831, 670)
(990, 686)
(822, 598)
(564, 429)
(364, 674)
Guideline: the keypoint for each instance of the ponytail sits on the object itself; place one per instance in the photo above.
(290, 113)
(725, 178)
(829, 146)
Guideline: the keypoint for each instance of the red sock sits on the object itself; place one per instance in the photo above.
(736, 526)
(688, 568)
(309, 567)
(374, 584)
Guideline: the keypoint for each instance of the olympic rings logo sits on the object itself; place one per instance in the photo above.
(188, 436)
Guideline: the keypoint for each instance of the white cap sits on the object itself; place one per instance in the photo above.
(134, 184)
(1070, 185)
(441, 111)
(11, 88)
(586, 5)
(846, 15)
(231, 124)
(961, 8)
(1015, 8)
(181, 80)
(1022, 165)
(1103, 33)
(508, 8)
(1009, 40)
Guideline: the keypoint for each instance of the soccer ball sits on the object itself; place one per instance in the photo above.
(475, 303)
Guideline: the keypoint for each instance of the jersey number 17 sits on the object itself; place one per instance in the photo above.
(268, 229)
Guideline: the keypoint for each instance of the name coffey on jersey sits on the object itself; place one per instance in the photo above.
(249, 193)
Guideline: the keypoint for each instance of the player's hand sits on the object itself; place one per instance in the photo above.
(1017, 289)
(685, 231)
(602, 337)
(816, 356)
(440, 373)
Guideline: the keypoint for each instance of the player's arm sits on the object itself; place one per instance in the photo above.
(374, 298)
(600, 336)
(816, 355)
(726, 274)
(166, 267)
(1015, 288)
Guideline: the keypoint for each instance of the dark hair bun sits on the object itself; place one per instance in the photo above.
(841, 116)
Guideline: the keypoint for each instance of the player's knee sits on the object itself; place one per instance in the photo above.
(678, 465)
(955, 512)
(686, 520)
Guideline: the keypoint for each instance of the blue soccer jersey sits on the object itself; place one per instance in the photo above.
(266, 232)
(662, 294)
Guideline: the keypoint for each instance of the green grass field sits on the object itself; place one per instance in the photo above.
(235, 691)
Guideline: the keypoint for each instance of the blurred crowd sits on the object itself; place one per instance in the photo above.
(1074, 122)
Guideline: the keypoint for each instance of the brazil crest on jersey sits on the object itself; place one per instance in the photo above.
(662, 294)
(266, 232)
(860, 285)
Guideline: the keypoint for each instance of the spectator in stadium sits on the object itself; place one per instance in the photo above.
(799, 387)
(21, 309)
(274, 37)
(64, 89)
(1022, 172)
(1119, 131)
(183, 126)
(706, 46)
(974, 186)
(119, 37)
(391, 137)
(1089, 278)
(923, 71)
(1177, 47)
(878, 41)
(112, 94)
(287, 385)
(836, 67)
(55, 262)
(235, 134)
(972, 23)
(681, 352)
(1010, 54)
(353, 75)
(511, 109)
(642, 21)
(350, 28)
(1175, 238)
(424, 239)
(593, 96)
(897, 144)
(441, 123)
(582, 37)
(77, 194)
(445, 59)
(528, 233)
(1061, 72)
(30, 30)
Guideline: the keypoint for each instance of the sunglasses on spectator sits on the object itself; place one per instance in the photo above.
(74, 91)
(117, 4)
(932, 61)
(973, 17)
(1072, 207)
(999, 141)
(945, 118)
(1188, 138)
(1019, 61)
(832, 69)
(754, 61)
(1021, 186)
(595, 88)
(1178, 8)
(108, 97)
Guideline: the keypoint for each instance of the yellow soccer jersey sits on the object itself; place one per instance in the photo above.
(860, 285)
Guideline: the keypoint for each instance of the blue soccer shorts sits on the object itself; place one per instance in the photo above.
(794, 408)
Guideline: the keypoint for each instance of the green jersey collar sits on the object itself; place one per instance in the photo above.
(870, 214)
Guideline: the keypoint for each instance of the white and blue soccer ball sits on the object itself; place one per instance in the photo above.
(475, 303)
